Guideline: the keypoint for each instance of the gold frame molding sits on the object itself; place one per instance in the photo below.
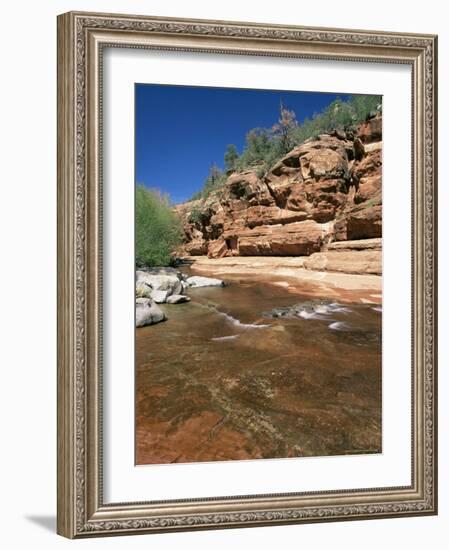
(81, 39)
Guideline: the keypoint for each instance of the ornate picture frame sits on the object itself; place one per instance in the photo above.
(82, 38)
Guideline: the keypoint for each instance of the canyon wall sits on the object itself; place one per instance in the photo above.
(325, 191)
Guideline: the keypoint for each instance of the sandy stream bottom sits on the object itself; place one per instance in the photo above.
(221, 380)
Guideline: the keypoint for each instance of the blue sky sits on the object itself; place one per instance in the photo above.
(182, 130)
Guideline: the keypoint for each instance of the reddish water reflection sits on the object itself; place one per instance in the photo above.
(213, 385)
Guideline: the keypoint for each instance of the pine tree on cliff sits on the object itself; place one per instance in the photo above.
(213, 181)
(230, 157)
(283, 130)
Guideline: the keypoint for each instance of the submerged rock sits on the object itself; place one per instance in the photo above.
(160, 296)
(178, 299)
(306, 310)
(148, 312)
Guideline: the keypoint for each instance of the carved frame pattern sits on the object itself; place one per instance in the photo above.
(81, 37)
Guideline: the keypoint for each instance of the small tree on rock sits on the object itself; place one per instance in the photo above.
(231, 157)
(283, 130)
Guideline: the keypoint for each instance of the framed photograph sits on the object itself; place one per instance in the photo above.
(246, 274)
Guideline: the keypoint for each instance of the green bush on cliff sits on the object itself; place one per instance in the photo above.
(213, 182)
(257, 148)
(158, 231)
(364, 106)
(196, 215)
(230, 157)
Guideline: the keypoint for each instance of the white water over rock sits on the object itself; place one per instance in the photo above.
(339, 325)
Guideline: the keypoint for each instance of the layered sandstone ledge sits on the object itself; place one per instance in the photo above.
(293, 274)
(352, 257)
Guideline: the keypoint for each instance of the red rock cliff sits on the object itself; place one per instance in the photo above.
(326, 189)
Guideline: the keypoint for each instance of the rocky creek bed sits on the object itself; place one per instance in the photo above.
(252, 370)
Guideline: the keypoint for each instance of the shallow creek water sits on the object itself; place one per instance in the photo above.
(221, 380)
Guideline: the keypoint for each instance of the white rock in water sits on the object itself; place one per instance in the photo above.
(147, 312)
(160, 281)
(160, 296)
(178, 299)
(197, 281)
(143, 290)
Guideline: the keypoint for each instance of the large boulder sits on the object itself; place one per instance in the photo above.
(167, 280)
(313, 178)
(197, 247)
(148, 312)
(217, 249)
(160, 296)
(323, 163)
(178, 299)
(248, 187)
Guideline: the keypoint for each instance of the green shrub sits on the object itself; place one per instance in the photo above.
(260, 170)
(231, 157)
(196, 216)
(257, 148)
(339, 115)
(158, 230)
(214, 181)
(197, 196)
(282, 133)
(365, 105)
